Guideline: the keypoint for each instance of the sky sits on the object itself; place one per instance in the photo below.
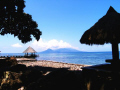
(62, 23)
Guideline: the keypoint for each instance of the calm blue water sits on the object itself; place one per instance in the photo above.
(89, 58)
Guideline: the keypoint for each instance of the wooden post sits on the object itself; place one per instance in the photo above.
(115, 51)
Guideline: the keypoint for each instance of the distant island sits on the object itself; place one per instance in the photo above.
(61, 50)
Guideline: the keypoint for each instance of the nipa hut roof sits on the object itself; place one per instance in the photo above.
(29, 50)
(106, 30)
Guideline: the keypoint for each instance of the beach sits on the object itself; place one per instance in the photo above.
(53, 64)
(26, 74)
(55, 75)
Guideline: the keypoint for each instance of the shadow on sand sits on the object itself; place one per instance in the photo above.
(36, 78)
(14, 76)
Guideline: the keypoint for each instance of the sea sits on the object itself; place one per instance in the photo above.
(86, 58)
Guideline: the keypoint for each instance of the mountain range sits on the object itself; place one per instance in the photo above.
(61, 50)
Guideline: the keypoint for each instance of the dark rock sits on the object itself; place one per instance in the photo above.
(11, 81)
(8, 62)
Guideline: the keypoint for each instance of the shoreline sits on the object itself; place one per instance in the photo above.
(53, 64)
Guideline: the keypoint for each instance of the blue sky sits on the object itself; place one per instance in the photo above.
(62, 23)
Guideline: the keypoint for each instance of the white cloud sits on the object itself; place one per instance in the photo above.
(42, 45)
(16, 45)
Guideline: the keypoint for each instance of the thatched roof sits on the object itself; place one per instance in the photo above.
(29, 50)
(106, 30)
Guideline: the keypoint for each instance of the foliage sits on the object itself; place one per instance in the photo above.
(14, 21)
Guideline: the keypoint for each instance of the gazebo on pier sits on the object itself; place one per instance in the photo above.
(30, 52)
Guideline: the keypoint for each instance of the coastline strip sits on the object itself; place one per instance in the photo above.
(45, 63)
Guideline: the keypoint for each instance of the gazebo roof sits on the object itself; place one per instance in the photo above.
(106, 30)
(29, 50)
